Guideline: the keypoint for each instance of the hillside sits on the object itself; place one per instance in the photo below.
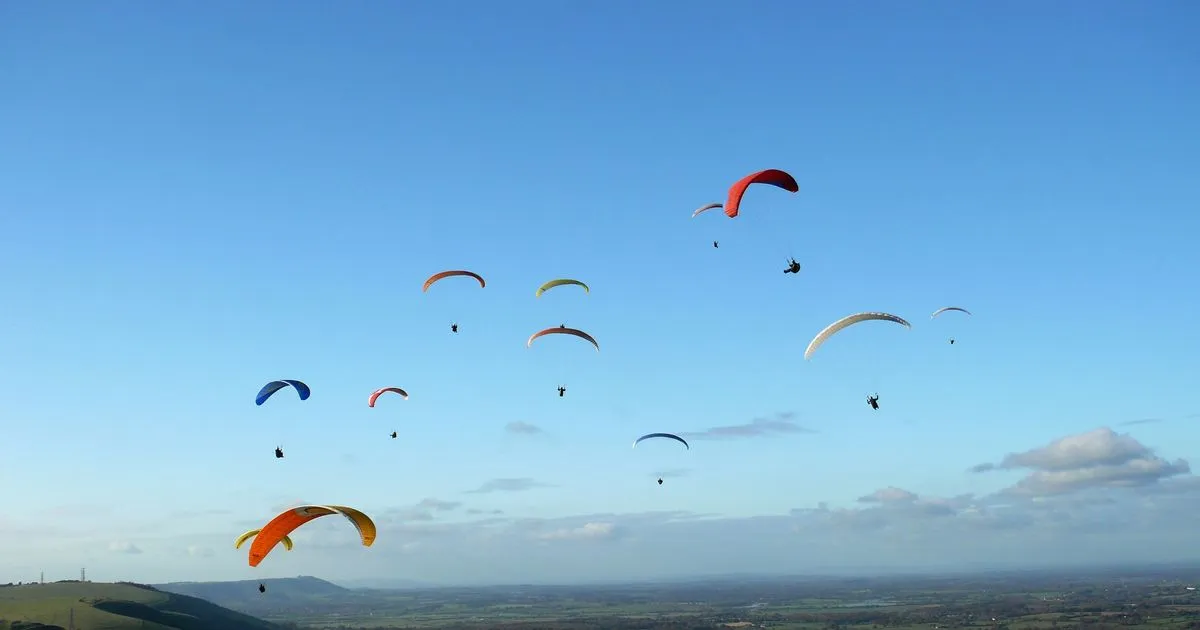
(283, 595)
(104, 606)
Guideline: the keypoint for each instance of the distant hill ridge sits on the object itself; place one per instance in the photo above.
(278, 588)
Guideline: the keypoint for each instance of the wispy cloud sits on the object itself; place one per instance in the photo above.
(197, 551)
(522, 428)
(508, 485)
(670, 473)
(124, 547)
(1129, 423)
(422, 511)
(780, 424)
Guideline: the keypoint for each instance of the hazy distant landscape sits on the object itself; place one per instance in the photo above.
(1146, 598)
(1080, 599)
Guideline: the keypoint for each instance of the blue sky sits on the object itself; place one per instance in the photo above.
(196, 198)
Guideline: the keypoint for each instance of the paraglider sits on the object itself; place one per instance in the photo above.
(873, 401)
(262, 588)
(558, 283)
(449, 274)
(849, 320)
(386, 390)
(270, 388)
(772, 176)
(453, 328)
(286, 522)
(668, 436)
(561, 390)
(946, 309)
(793, 266)
(562, 330)
(715, 245)
(705, 208)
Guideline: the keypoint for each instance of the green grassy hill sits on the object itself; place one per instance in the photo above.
(123, 606)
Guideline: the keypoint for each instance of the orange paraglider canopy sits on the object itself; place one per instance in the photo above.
(772, 176)
(455, 272)
(273, 532)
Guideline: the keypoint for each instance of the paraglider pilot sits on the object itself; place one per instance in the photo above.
(715, 244)
(393, 435)
(660, 481)
(952, 341)
(561, 390)
(793, 266)
(278, 453)
(873, 401)
(262, 588)
(453, 328)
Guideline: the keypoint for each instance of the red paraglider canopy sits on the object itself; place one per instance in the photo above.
(772, 176)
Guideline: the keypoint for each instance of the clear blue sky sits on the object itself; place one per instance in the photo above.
(196, 198)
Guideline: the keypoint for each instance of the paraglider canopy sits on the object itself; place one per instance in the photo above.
(772, 176)
(270, 388)
(668, 436)
(286, 522)
(558, 283)
(562, 330)
(383, 390)
(453, 272)
(949, 308)
(849, 320)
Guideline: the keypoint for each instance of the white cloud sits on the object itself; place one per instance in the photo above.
(587, 531)
(200, 552)
(124, 547)
(1098, 458)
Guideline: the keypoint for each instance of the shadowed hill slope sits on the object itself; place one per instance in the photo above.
(118, 606)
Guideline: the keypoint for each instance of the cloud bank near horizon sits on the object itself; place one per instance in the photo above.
(1097, 496)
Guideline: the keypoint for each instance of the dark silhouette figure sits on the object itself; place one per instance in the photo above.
(873, 401)
(952, 341)
(453, 328)
(393, 435)
(793, 266)
(561, 390)
(660, 481)
(715, 244)
(278, 453)
(262, 588)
